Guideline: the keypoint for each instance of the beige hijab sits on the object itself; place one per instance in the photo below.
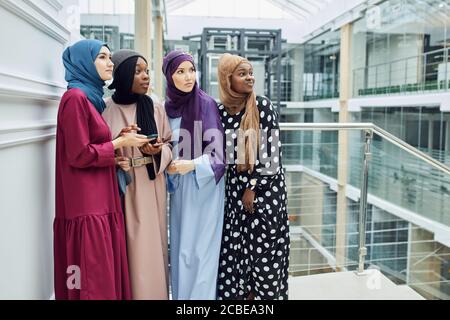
(248, 137)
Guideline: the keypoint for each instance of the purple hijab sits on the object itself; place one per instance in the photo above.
(195, 106)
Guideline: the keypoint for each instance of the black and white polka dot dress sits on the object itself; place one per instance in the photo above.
(255, 246)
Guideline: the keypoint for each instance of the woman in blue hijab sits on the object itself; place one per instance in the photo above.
(89, 236)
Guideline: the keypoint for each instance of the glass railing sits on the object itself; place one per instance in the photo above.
(423, 73)
(404, 180)
(404, 227)
(321, 91)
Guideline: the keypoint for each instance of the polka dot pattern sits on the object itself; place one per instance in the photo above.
(255, 247)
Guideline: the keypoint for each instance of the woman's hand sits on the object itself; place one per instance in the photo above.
(181, 167)
(247, 200)
(152, 149)
(123, 162)
(130, 140)
(133, 128)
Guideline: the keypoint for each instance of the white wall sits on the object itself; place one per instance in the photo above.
(33, 34)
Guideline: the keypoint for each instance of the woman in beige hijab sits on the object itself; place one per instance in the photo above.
(254, 256)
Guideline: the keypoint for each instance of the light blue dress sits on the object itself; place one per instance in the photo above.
(196, 220)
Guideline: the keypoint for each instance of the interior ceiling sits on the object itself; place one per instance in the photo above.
(301, 9)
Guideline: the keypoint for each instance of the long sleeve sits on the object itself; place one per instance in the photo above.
(203, 174)
(214, 135)
(203, 171)
(268, 163)
(81, 150)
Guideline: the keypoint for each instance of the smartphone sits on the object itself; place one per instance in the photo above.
(153, 137)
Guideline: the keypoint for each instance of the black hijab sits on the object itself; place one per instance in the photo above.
(123, 82)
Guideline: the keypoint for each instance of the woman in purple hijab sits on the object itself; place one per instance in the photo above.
(195, 181)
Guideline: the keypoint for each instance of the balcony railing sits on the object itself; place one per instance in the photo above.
(422, 73)
(396, 214)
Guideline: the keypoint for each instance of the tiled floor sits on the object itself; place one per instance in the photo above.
(372, 285)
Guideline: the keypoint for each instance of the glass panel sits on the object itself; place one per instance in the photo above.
(401, 187)
(111, 21)
(401, 46)
(425, 128)
(321, 67)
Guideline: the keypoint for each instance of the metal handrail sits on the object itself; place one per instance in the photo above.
(369, 129)
(402, 59)
(375, 129)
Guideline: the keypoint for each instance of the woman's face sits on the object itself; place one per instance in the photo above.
(242, 79)
(184, 77)
(104, 64)
(141, 81)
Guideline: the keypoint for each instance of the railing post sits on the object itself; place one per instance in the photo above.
(363, 201)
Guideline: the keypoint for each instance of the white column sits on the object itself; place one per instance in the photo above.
(143, 26)
(341, 208)
(297, 74)
(158, 75)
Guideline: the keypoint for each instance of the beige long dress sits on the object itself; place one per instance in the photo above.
(145, 208)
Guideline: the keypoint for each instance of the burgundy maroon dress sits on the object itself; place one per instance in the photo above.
(89, 236)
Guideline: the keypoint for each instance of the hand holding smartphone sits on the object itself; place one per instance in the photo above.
(152, 147)
(153, 138)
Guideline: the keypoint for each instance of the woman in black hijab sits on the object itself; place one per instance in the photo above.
(145, 196)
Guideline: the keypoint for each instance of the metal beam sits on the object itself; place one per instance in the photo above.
(292, 9)
(173, 5)
(301, 6)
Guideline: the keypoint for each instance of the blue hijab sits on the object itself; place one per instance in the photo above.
(81, 72)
